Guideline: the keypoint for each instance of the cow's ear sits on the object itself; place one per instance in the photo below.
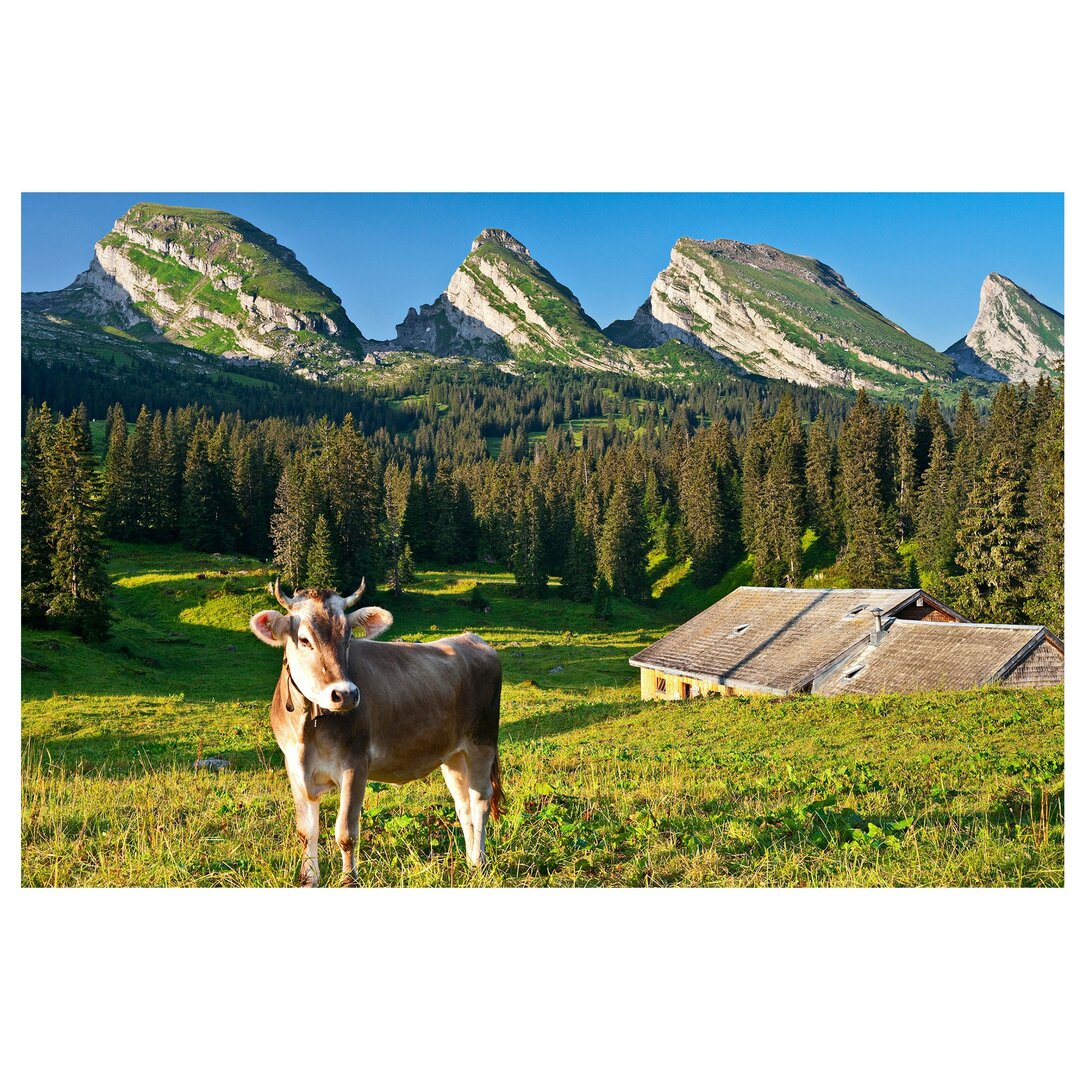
(371, 620)
(271, 627)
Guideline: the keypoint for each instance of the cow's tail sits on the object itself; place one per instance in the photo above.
(496, 801)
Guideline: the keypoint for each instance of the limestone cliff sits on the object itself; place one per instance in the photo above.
(502, 304)
(214, 282)
(777, 315)
(1014, 337)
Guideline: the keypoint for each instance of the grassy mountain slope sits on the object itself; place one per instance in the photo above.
(778, 315)
(212, 281)
(603, 789)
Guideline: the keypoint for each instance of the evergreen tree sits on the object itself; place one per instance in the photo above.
(928, 423)
(321, 571)
(579, 572)
(603, 607)
(528, 564)
(396, 485)
(709, 503)
(1046, 511)
(80, 583)
(994, 546)
(778, 550)
(901, 462)
(117, 479)
(820, 484)
(937, 516)
(292, 522)
(754, 465)
(36, 542)
(406, 572)
(622, 554)
(870, 558)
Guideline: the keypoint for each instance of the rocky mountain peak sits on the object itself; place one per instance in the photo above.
(501, 238)
(1015, 336)
(210, 280)
(765, 257)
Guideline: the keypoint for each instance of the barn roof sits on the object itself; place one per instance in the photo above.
(776, 640)
(916, 656)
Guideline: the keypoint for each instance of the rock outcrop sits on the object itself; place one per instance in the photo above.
(502, 304)
(1014, 337)
(212, 281)
(777, 315)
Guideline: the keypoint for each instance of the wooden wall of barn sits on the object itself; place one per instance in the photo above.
(660, 686)
(1044, 667)
(926, 613)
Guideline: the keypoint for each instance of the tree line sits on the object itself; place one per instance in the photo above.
(815, 489)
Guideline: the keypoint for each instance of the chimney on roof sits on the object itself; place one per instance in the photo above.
(880, 629)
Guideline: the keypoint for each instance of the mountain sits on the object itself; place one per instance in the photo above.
(1014, 337)
(211, 281)
(777, 315)
(502, 305)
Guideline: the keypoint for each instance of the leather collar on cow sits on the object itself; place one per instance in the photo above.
(308, 706)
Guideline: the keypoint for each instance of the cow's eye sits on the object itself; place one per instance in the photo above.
(304, 641)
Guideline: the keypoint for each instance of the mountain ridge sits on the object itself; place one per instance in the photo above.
(1015, 336)
(213, 282)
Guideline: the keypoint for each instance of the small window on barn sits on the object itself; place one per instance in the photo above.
(851, 672)
(854, 611)
(661, 684)
(740, 629)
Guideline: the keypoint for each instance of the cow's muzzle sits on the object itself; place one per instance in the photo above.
(341, 696)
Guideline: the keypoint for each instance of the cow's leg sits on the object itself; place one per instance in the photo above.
(481, 759)
(455, 770)
(307, 824)
(352, 784)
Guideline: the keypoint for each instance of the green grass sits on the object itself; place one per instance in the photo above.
(603, 789)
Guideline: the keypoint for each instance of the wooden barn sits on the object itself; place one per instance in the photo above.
(836, 641)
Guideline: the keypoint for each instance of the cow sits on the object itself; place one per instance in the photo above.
(348, 709)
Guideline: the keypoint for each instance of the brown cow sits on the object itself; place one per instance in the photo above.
(348, 709)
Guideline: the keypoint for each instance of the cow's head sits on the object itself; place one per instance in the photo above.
(315, 634)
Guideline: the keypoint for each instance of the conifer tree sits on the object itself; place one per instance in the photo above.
(937, 516)
(709, 502)
(36, 542)
(579, 572)
(118, 488)
(928, 422)
(80, 583)
(778, 548)
(529, 560)
(622, 554)
(901, 462)
(820, 484)
(994, 545)
(292, 522)
(321, 571)
(1046, 511)
(870, 558)
(754, 465)
(396, 485)
(603, 607)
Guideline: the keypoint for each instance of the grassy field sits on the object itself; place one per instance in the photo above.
(603, 789)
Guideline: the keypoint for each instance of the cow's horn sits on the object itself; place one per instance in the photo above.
(350, 600)
(284, 599)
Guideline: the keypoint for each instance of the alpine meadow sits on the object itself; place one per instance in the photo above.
(202, 418)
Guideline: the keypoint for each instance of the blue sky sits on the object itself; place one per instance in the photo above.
(917, 258)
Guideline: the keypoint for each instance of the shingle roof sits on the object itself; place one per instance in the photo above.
(917, 656)
(788, 637)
